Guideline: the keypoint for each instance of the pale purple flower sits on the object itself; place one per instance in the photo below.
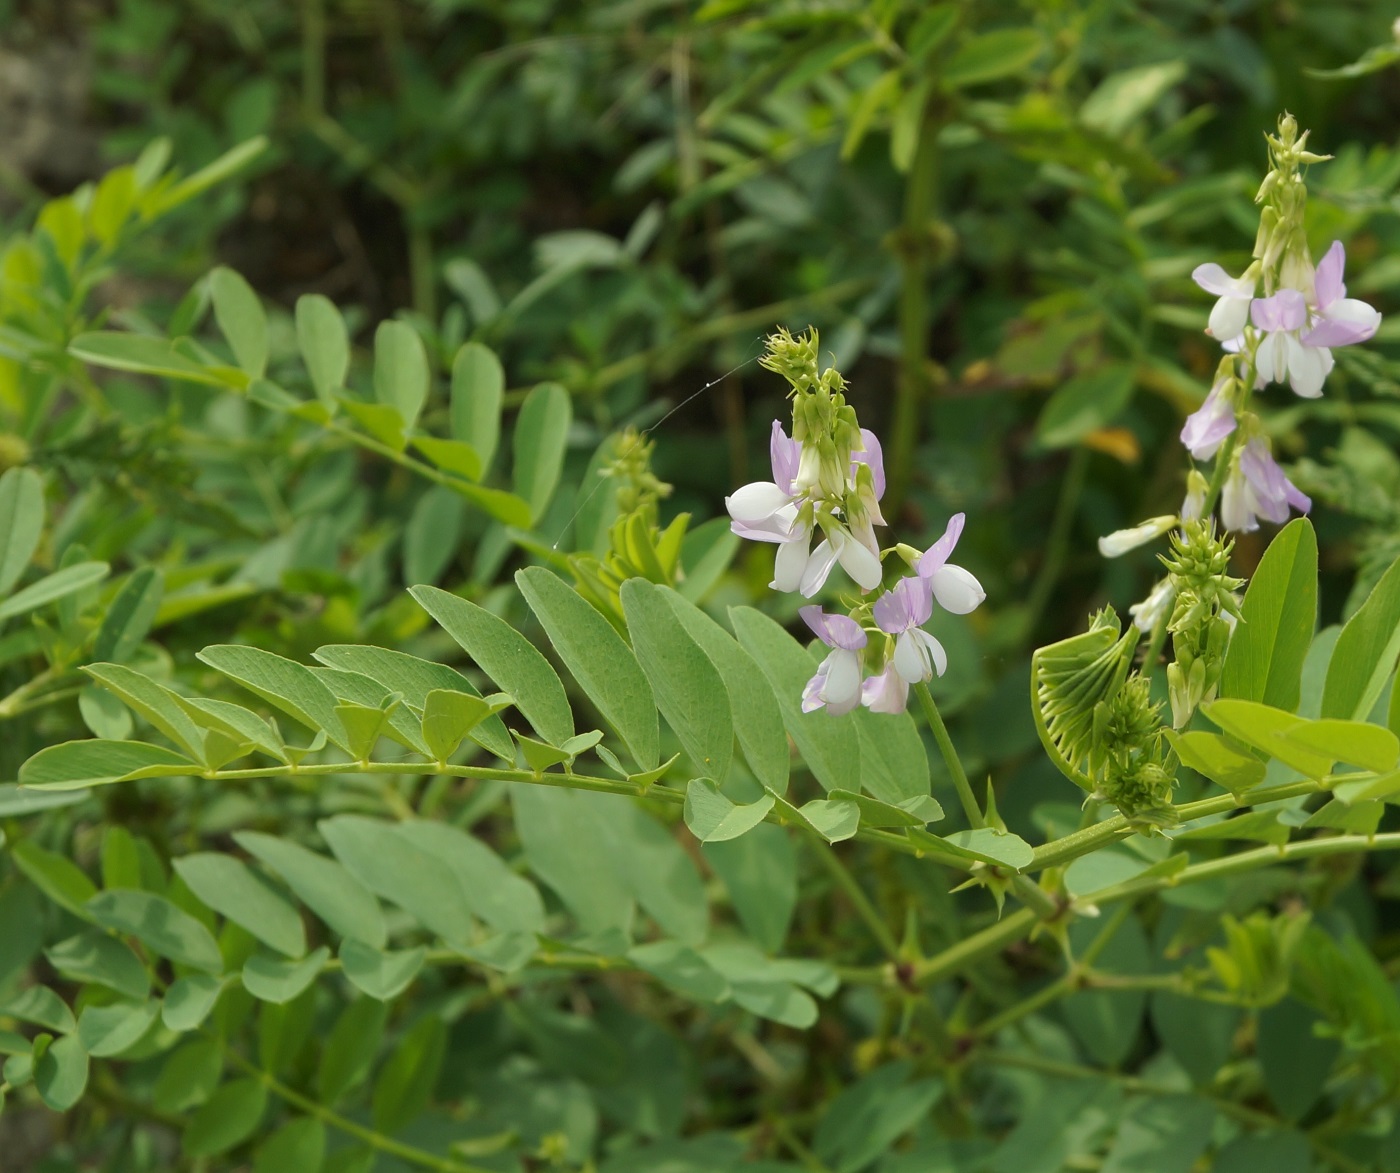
(1282, 353)
(956, 589)
(1338, 320)
(1257, 487)
(766, 511)
(887, 692)
(1230, 313)
(902, 612)
(1206, 427)
(855, 549)
(836, 685)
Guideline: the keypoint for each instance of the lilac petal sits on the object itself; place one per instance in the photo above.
(812, 693)
(1213, 279)
(937, 554)
(791, 562)
(886, 693)
(815, 618)
(845, 633)
(786, 455)
(1327, 283)
(1345, 323)
(1286, 310)
(1206, 427)
(756, 502)
(908, 604)
(957, 590)
(1296, 497)
(873, 455)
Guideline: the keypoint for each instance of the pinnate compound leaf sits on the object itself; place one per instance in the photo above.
(283, 683)
(712, 817)
(507, 657)
(754, 710)
(322, 884)
(478, 389)
(159, 925)
(600, 661)
(541, 436)
(826, 743)
(1365, 653)
(271, 979)
(379, 973)
(324, 343)
(687, 687)
(413, 679)
(226, 1119)
(232, 890)
(1264, 661)
(21, 522)
(400, 872)
(401, 375)
(236, 723)
(74, 765)
(241, 318)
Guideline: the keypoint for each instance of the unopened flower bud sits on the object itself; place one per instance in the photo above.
(1121, 541)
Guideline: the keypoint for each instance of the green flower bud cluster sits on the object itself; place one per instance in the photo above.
(1128, 757)
(1256, 965)
(638, 488)
(1203, 615)
(1281, 246)
(822, 421)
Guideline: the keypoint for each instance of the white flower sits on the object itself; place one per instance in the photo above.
(1123, 540)
(836, 685)
(1230, 313)
(957, 590)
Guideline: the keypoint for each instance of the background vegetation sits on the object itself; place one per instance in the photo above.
(990, 211)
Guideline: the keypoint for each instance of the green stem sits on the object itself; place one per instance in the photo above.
(375, 1140)
(950, 757)
(865, 909)
(915, 259)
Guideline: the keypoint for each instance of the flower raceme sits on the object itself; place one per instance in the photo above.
(1257, 487)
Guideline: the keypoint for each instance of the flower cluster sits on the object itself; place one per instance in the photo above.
(828, 478)
(1278, 322)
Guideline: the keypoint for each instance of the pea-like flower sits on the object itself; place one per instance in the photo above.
(767, 511)
(1282, 354)
(1207, 427)
(1230, 313)
(902, 612)
(1257, 487)
(956, 589)
(1338, 320)
(1122, 540)
(836, 685)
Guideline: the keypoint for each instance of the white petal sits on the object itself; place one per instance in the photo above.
(756, 501)
(1307, 368)
(819, 565)
(1271, 359)
(857, 561)
(1228, 317)
(957, 590)
(911, 658)
(842, 679)
(935, 651)
(790, 563)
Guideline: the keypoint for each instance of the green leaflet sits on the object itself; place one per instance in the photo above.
(21, 522)
(508, 658)
(600, 661)
(324, 344)
(1365, 653)
(226, 1119)
(130, 616)
(241, 319)
(94, 956)
(382, 974)
(394, 868)
(58, 585)
(160, 925)
(322, 884)
(492, 890)
(110, 1030)
(271, 979)
(712, 817)
(989, 56)
(758, 720)
(414, 679)
(404, 1086)
(74, 765)
(284, 683)
(829, 745)
(541, 436)
(688, 689)
(154, 702)
(1265, 659)
(1216, 758)
(61, 1073)
(478, 388)
(227, 886)
(401, 375)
